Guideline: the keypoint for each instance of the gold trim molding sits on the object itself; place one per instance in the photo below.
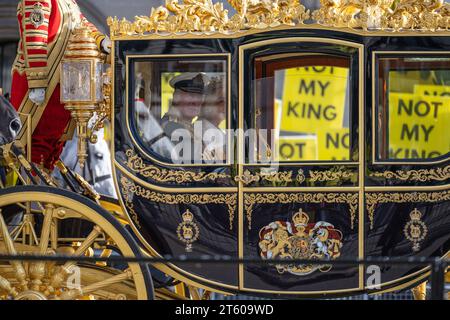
(422, 175)
(136, 164)
(207, 16)
(130, 188)
(250, 199)
(288, 176)
(375, 198)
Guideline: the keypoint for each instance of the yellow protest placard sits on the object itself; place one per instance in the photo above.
(313, 97)
(432, 90)
(418, 125)
(333, 144)
(167, 91)
(297, 148)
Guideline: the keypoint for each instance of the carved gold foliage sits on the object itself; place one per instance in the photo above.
(129, 187)
(137, 165)
(375, 198)
(328, 175)
(250, 199)
(395, 15)
(275, 177)
(422, 175)
(287, 176)
(210, 16)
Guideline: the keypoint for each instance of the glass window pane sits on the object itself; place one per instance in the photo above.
(301, 109)
(76, 83)
(413, 108)
(180, 109)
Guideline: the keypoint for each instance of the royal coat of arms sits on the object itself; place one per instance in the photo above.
(300, 239)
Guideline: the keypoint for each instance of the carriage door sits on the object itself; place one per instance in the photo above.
(299, 168)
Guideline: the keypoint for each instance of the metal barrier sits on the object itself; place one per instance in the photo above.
(437, 266)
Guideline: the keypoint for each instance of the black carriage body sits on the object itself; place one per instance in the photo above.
(371, 210)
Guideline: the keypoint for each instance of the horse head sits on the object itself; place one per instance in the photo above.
(10, 123)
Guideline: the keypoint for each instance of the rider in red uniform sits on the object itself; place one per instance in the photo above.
(45, 28)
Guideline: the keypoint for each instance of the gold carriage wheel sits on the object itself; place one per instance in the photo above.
(30, 280)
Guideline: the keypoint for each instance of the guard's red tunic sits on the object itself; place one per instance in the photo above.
(45, 27)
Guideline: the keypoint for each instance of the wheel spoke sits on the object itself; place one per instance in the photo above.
(10, 249)
(60, 276)
(74, 293)
(46, 226)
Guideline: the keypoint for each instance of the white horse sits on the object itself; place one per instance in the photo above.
(97, 170)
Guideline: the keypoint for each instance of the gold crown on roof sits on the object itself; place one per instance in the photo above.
(207, 16)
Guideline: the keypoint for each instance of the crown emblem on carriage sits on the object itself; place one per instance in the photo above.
(300, 217)
(211, 17)
(188, 231)
(415, 214)
(415, 229)
(187, 216)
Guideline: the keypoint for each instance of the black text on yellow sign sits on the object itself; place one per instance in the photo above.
(313, 97)
(418, 126)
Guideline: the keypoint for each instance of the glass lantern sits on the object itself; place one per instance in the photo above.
(82, 83)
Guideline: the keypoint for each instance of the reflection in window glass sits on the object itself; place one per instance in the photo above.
(180, 109)
(413, 108)
(303, 102)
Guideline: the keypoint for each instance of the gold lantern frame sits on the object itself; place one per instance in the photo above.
(82, 49)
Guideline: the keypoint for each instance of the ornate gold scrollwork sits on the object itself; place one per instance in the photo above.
(328, 175)
(130, 188)
(422, 175)
(137, 165)
(287, 176)
(375, 198)
(392, 15)
(250, 199)
(207, 16)
(276, 177)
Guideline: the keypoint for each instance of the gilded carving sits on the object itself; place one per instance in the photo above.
(287, 176)
(375, 198)
(415, 229)
(129, 187)
(328, 175)
(209, 16)
(300, 239)
(250, 199)
(391, 15)
(275, 177)
(300, 176)
(137, 165)
(422, 175)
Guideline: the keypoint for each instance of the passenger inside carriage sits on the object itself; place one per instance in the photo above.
(180, 109)
(212, 114)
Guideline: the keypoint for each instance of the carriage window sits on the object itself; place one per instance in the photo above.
(413, 108)
(180, 108)
(301, 108)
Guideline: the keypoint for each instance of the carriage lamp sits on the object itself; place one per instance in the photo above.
(81, 84)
